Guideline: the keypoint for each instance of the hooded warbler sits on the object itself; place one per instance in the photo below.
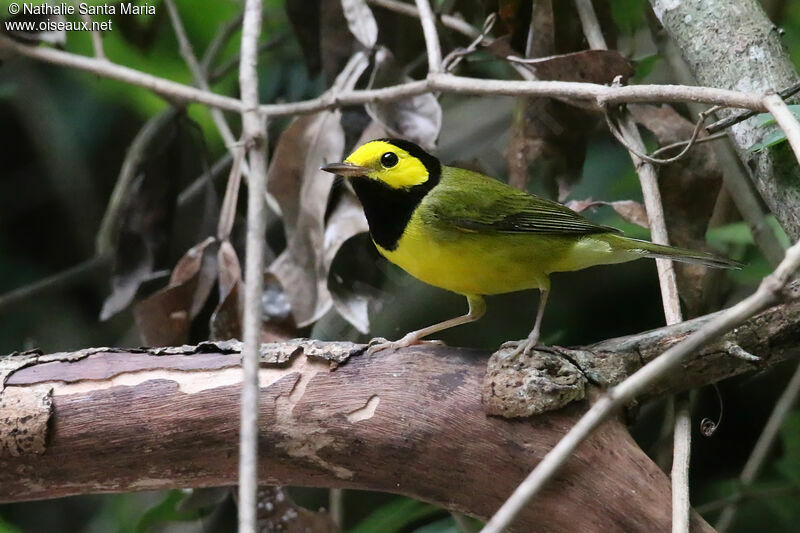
(470, 234)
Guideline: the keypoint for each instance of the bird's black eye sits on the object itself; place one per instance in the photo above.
(389, 159)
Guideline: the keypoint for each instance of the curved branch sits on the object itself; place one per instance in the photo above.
(600, 94)
(409, 422)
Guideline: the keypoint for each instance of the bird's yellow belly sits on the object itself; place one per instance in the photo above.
(475, 263)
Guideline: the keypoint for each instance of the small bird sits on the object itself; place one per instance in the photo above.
(468, 233)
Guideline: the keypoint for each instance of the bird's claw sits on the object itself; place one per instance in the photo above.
(379, 343)
(520, 347)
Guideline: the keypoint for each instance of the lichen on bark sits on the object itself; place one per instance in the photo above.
(733, 45)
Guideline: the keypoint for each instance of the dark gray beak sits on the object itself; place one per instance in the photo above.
(346, 169)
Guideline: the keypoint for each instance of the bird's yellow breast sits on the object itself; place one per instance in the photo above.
(478, 263)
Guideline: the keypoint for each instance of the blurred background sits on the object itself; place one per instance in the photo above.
(64, 136)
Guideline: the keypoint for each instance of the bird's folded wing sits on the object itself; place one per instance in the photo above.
(497, 208)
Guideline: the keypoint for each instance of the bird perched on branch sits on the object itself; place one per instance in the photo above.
(476, 236)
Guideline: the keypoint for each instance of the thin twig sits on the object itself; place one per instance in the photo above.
(629, 135)
(742, 496)
(229, 65)
(744, 115)
(431, 36)
(448, 21)
(199, 75)
(682, 144)
(785, 119)
(213, 49)
(590, 25)
(59, 281)
(97, 38)
(640, 153)
(255, 139)
(601, 95)
(787, 399)
(771, 290)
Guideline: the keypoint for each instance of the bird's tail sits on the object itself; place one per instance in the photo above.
(684, 255)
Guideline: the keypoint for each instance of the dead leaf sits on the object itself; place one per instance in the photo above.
(361, 22)
(164, 318)
(418, 118)
(346, 221)
(633, 212)
(278, 512)
(145, 216)
(587, 66)
(300, 267)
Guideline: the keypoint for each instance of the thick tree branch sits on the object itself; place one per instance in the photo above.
(409, 422)
(734, 45)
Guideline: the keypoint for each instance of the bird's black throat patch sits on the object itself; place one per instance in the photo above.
(389, 210)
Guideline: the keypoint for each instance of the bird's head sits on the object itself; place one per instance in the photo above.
(397, 163)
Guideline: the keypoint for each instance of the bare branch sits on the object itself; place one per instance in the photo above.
(599, 94)
(254, 136)
(448, 21)
(771, 290)
(681, 508)
(431, 36)
(163, 87)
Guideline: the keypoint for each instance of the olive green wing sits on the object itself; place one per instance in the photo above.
(473, 202)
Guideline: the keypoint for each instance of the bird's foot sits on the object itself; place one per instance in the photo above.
(379, 343)
(524, 347)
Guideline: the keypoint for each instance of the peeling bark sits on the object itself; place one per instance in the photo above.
(409, 422)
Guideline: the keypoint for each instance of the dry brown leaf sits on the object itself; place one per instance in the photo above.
(418, 118)
(140, 235)
(361, 22)
(587, 66)
(164, 318)
(633, 212)
(226, 320)
(300, 268)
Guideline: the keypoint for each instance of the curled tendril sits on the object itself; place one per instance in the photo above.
(707, 426)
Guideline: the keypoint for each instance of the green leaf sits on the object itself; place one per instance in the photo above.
(645, 65)
(395, 516)
(765, 119)
(771, 139)
(628, 14)
(736, 233)
(790, 435)
(445, 525)
(166, 511)
(774, 137)
(5, 527)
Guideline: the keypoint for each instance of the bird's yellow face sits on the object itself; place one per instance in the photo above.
(386, 162)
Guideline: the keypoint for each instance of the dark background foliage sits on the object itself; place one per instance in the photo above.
(65, 135)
